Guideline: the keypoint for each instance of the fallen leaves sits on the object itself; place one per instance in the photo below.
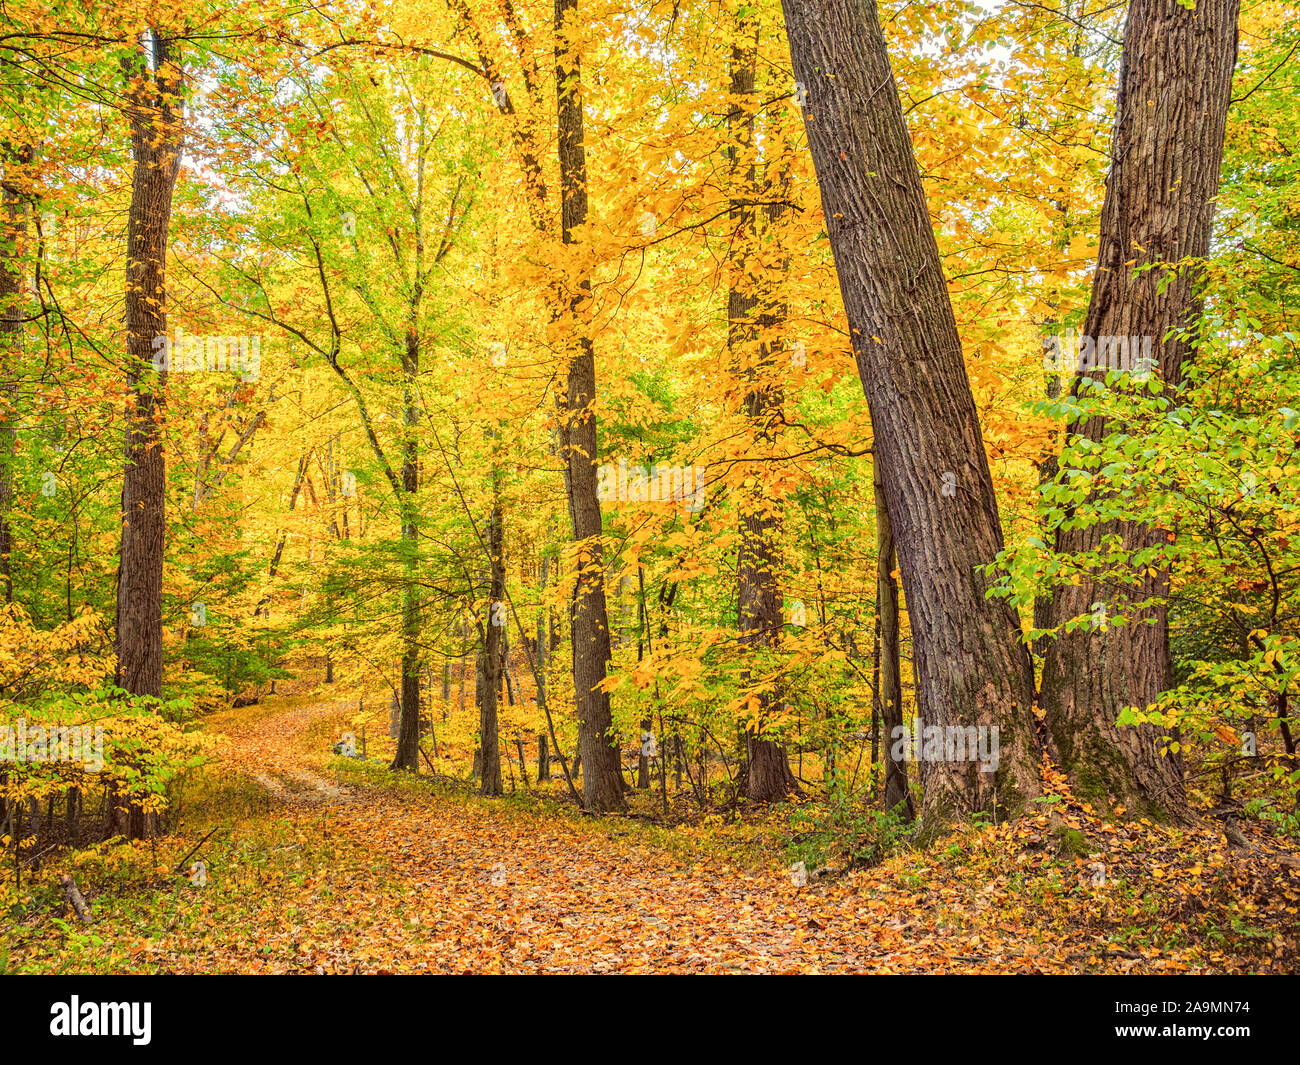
(398, 877)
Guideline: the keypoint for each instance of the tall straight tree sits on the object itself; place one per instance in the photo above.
(488, 662)
(602, 780)
(751, 309)
(154, 108)
(1175, 85)
(14, 199)
(970, 664)
(597, 750)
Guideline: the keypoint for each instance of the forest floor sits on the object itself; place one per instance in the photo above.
(318, 864)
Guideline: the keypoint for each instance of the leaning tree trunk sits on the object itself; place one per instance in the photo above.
(602, 781)
(970, 664)
(1174, 89)
(155, 111)
(751, 310)
(890, 680)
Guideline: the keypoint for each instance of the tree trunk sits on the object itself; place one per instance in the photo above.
(970, 665)
(488, 674)
(543, 626)
(643, 759)
(13, 235)
(751, 308)
(154, 108)
(1174, 90)
(890, 682)
(523, 764)
(408, 740)
(602, 781)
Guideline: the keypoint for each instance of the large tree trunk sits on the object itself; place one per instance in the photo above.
(1174, 89)
(602, 782)
(155, 112)
(890, 680)
(751, 308)
(970, 664)
(154, 108)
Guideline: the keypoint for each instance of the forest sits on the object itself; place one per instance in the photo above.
(491, 486)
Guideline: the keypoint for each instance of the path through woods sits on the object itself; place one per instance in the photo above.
(319, 864)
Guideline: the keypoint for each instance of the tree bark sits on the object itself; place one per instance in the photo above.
(602, 781)
(489, 666)
(1174, 90)
(155, 111)
(408, 741)
(890, 680)
(971, 667)
(13, 218)
(643, 759)
(751, 309)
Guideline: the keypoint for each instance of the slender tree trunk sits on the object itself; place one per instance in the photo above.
(490, 661)
(890, 682)
(282, 539)
(543, 626)
(971, 667)
(461, 681)
(408, 740)
(602, 781)
(13, 219)
(643, 759)
(1174, 90)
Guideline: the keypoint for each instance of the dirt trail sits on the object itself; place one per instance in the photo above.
(484, 890)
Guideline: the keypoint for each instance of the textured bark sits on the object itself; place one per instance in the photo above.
(154, 108)
(890, 682)
(602, 781)
(489, 666)
(13, 220)
(751, 308)
(970, 665)
(1174, 90)
(408, 741)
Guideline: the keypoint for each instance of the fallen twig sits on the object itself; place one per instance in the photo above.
(75, 899)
